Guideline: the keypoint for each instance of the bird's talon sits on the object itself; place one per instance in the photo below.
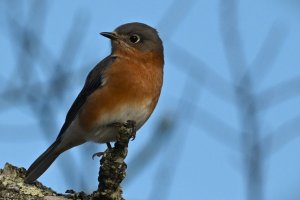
(133, 137)
(98, 154)
(131, 124)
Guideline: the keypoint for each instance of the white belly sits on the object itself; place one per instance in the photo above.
(103, 133)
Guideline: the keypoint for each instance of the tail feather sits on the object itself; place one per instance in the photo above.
(42, 163)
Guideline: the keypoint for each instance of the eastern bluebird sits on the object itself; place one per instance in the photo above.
(124, 86)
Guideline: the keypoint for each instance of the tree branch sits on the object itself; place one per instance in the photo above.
(111, 174)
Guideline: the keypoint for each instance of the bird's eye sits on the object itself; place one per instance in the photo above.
(134, 38)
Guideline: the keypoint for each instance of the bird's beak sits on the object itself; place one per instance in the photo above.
(110, 35)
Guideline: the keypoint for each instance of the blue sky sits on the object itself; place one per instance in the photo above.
(204, 156)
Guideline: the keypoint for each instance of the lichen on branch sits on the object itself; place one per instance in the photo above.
(112, 172)
(113, 167)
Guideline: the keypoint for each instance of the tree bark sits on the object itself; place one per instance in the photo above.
(111, 174)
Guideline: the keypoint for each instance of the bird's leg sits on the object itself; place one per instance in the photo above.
(108, 145)
(129, 124)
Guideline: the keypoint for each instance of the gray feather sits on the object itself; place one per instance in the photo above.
(42, 163)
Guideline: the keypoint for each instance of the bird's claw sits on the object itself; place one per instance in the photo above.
(129, 124)
(98, 154)
(132, 125)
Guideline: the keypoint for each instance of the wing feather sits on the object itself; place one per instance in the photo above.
(93, 81)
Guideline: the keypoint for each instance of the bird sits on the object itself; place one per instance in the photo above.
(124, 86)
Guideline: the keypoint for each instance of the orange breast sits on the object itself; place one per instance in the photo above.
(131, 82)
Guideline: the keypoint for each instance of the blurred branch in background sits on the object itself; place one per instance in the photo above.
(245, 100)
(278, 94)
(174, 147)
(43, 97)
(246, 79)
(159, 139)
(174, 16)
(264, 60)
(281, 136)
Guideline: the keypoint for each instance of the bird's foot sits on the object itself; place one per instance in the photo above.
(108, 145)
(129, 124)
(99, 154)
(132, 125)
